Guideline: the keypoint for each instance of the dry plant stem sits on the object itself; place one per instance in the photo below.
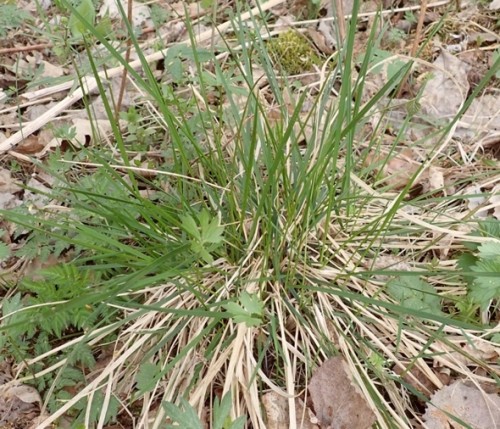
(90, 83)
(339, 9)
(416, 44)
(125, 71)
(367, 14)
(38, 47)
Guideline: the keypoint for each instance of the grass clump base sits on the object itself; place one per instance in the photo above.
(178, 281)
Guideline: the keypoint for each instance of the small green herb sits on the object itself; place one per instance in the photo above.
(482, 265)
(4, 250)
(147, 377)
(205, 234)
(185, 415)
(78, 25)
(12, 16)
(249, 312)
(415, 294)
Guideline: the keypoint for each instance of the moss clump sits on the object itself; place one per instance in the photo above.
(292, 51)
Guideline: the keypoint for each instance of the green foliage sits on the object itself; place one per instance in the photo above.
(204, 233)
(96, 409)
(221, 418)
(495, 58)
(249, 311)
(379, 61)
(50, 311)
(480, 266)
(159, 15)
(53, 285)
(140, 134)
(292, 51)
(484, 283)
(185, 416)
(395, 36)
(414, 293)
(4, 250)
(78, 22)
(177, 54)
(12, 16)
(147, 377)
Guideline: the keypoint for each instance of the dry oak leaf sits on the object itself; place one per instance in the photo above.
(447, 88)
(338, 402)
(278, 415)
(467, 403)
(400, 169)
(19, 404)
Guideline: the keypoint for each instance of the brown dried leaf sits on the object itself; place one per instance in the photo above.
(276, 409)
(337, 401)
(277, 413)
(476, 408)
(19, 404)
(416, 378)
(399, 170)
(435, 179)
(447, 88)
(320, 41)
(7, 184)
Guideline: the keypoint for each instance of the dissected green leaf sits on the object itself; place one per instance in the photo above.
(491, 249)
(189, 225)
(213, 232)
(147, 377)
(249, 312)
(4, 251)
(251, 303)
(79, 26)
(486, 285)
(185, 416)
(221, 411)
(415, 293)
(12, 16)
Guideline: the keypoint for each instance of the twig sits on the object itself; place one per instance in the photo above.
(416, 44)
(38, 47)
(339, 10)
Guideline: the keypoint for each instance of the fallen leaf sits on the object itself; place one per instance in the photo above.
(416, 378)
(320, 41)
(399, 170)
(19, 404)
(435, 178)
(278, 416)
(338, 402)
(447, 88)
(276, 409)
(7, 184)
(471, 405)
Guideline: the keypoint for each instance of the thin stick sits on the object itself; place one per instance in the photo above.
(339, 10)
(416, 44)
(38, 47)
